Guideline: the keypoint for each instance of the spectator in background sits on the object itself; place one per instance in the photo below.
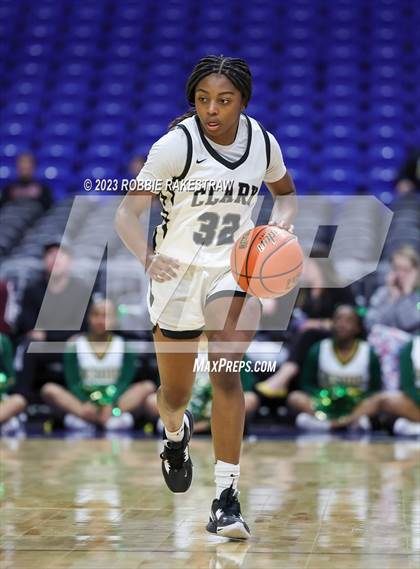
(65, 295)
(392, 315)
(26, 186)
(312, 317)
(98, 371)
(11, 405)
(395, 303)
(409, 176)
(405, 404)
(340, 380)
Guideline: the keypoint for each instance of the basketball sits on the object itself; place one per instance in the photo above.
(267, 261)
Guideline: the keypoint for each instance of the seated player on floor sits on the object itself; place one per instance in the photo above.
(11, 404)
(339, 380)
(98, 371)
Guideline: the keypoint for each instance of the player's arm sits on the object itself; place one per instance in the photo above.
(166, 159)
(159, 267)
(126, 376)
(285, 202)
(281, 186)
(128, 227)
(72, 373)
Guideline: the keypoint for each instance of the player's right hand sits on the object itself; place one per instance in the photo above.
(161, 268)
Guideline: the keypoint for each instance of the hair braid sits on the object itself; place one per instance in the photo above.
(234, 68)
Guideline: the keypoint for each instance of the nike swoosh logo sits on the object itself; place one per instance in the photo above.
(199, 161)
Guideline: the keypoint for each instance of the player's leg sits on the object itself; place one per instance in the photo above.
(252, 402)
(150, 406)
(135, 396)
(230, 327)
(277, 384)
(229, 344)
(78, 415)
(176, 378)
(369, 407)
(132, 399)
(302, 404)
(59, 397)
(399, 405)
(12, 406)
(176, 372)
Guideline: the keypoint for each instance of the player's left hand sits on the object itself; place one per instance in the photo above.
(283, 225)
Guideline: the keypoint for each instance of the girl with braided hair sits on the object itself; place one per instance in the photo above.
(207, 171)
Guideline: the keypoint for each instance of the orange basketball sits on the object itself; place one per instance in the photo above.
(267, 261)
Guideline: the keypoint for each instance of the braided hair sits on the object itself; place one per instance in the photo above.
(234, 68)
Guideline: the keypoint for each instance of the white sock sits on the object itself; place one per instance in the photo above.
(225, 476)
(178, 435)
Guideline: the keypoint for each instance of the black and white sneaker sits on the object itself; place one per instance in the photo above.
(225, 516)
(177, 467)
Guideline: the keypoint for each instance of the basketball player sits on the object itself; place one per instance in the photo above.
(192, 289)
(99, 371)
(341, 379)
(11, 404)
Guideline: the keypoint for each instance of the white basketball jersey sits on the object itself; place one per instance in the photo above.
(95, 370)
(354, 373)
(209, 206)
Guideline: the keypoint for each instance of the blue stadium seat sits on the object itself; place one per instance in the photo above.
(53, 169)
(64, 128)
(340, 153)
(111, 150)
(53, 150)
(66, 108)
(99, 169)
(12, 129)
(85, 86)
(336, 131)
(105, 130)
(68, 89)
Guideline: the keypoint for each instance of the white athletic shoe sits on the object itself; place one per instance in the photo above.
(308, 422)
(406, 428)
(122, 423)
(75, 423)
(11, 427)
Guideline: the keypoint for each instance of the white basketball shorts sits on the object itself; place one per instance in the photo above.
(178, 304)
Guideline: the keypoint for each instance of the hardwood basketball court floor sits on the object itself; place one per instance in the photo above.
(312, 503)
